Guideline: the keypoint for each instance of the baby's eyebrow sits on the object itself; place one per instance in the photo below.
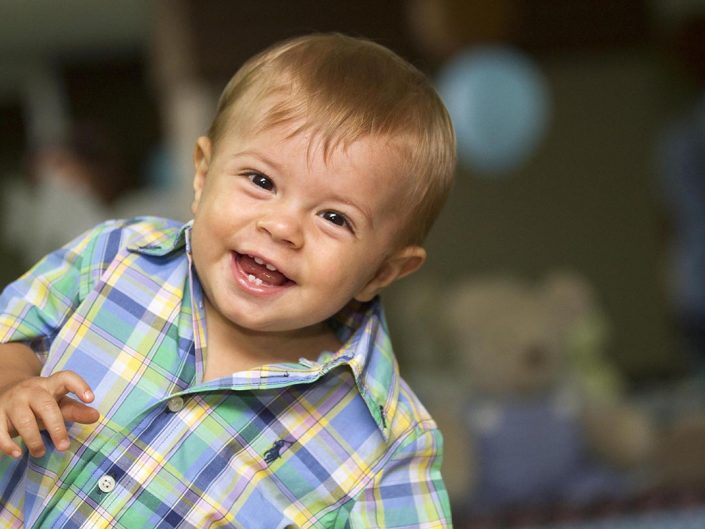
(273, 164)
(360, 207)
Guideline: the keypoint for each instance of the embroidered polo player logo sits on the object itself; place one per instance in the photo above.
(274, 453)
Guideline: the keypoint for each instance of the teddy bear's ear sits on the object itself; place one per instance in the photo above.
(569, 296)
(471, 304)
(418, 310)
(460, 311)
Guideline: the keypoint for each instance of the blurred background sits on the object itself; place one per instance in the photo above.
(557, 332)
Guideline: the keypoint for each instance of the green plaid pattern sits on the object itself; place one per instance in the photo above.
(341, 442)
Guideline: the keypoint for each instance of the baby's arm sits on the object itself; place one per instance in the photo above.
(30, 402)
(33, 309)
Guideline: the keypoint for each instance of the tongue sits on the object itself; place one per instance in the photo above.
(271, 277)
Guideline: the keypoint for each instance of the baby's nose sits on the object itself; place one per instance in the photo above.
(283, 228)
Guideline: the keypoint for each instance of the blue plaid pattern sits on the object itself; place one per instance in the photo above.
(341, 442)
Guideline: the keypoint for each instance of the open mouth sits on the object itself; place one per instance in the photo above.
(259, 273)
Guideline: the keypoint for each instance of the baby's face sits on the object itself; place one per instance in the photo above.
(283, 238)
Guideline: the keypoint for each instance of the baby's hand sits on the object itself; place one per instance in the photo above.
(42, 403)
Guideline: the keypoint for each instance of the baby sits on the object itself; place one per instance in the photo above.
(239, 366)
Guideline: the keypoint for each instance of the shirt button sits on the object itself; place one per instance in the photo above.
(106, 483)
(175, 404)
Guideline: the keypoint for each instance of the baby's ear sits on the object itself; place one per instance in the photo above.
(201, 161)
(402, 263)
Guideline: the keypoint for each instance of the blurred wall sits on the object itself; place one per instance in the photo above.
(67, 60)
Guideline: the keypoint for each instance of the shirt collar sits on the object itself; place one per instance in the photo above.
(368, 351)
(360, 327)
(159, 243)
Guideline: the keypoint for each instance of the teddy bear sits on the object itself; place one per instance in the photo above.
(531, 409)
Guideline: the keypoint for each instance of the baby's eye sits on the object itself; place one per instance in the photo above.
(261, 180)
(336, 218)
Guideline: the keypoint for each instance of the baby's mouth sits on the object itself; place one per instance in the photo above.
(259, 272)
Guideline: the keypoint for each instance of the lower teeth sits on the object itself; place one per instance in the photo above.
(252, 279)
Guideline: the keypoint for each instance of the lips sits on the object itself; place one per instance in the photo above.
(259, 272)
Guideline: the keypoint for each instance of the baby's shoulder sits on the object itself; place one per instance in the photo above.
(410, 413)
(97, 249)
(146, 230)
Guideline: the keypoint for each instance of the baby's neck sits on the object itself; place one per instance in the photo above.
(231, 349)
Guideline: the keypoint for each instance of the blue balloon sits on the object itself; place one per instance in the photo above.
(499, 103)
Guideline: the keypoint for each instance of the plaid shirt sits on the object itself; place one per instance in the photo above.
(341, 442)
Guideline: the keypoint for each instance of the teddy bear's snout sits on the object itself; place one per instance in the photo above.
(536, 357)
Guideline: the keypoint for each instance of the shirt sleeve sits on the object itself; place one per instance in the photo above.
(409, 491)
(34, 307)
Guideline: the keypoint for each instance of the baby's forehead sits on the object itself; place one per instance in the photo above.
(363, 146)
(371, 156)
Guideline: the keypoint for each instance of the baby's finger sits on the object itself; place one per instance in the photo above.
(26, 425)
(47, 411)
(75, 411)
(65, 382)
(8, 446)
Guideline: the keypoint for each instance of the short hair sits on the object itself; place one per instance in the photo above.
(344, 88)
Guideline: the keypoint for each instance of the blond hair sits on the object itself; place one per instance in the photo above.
(344, 88)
